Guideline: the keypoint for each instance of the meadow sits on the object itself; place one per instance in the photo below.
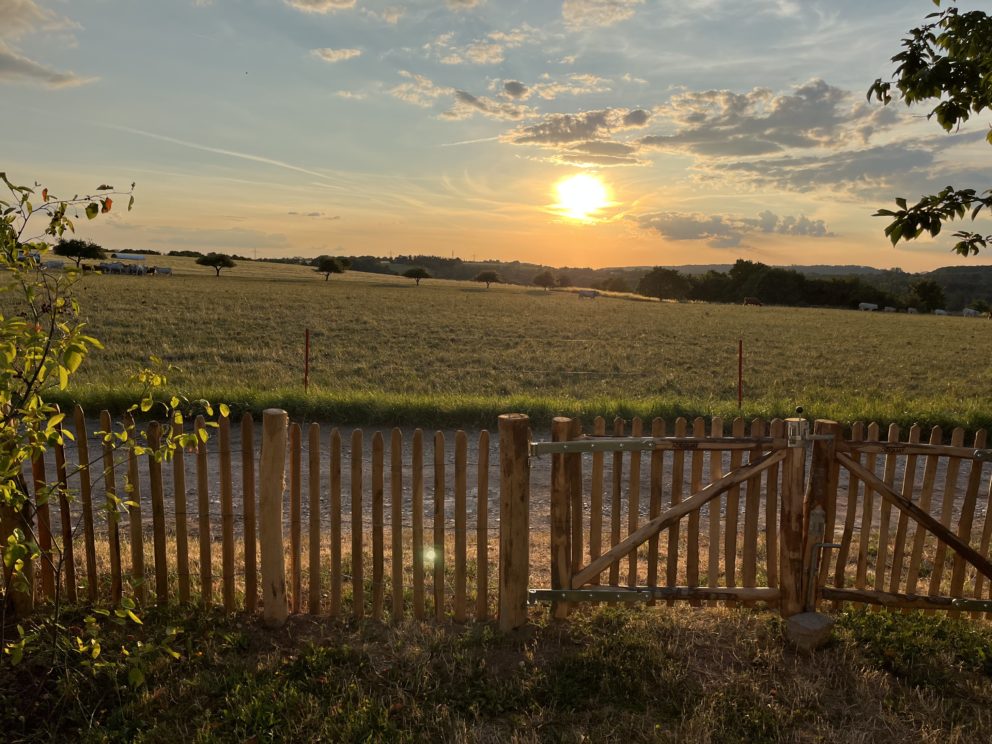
(455, 353)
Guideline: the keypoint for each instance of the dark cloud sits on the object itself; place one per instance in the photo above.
(467, 105)
(728, 231)
(636, 118)
(515, 89)
(562, 129)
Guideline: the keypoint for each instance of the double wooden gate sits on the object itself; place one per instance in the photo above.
(741, 519)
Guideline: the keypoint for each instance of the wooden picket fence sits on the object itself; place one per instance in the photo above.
(338, 565)
(697, 511)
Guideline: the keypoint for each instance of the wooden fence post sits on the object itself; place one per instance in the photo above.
(791, 530)
(561, 542)
(818, 504)
(514, 519)
(275, 607)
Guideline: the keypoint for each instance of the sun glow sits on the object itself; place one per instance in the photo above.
(581, 197)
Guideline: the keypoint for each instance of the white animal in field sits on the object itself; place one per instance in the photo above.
(867, 306)
(970, 313)
(912, 311)
(940, 312)
(590, 294)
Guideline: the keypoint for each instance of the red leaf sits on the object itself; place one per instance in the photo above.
(107, 204)
(44, 195)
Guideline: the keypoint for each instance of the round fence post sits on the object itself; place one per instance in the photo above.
(514, 519)
(275, 607)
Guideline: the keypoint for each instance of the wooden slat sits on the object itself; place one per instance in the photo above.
(561, 548)
(885, 512)
(296, 517)
(158, 512)
(615, 501)
(248, 505)
(574, 464)
(654, 504)
(68, 554)
(986, 539)
(695, 484)
(203, 511)
(134, 518)
(86, 502)
(752, 505)
(926, 496)
(867, 515)
(633, 499)
(337, 578)
(417, 474)
(378, 526)
(113, 510)
(179, 499)
(313, 505)
(908, 488)
(850, 516)
(888, 599)
(396, 521)
(777, 429)
(732, 515)
(226, 514)
(791, 532)
(596, 497)
(903, 448)
(947, 510)
(41, 497)
(461, 523)
(967, 518)
(482, 531)
(832, 486)
(438, 551)
(673, 514)
(357, 507)
(942, 533)
(678, 479)
(713, 508)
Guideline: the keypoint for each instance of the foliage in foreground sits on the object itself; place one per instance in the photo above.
(662, 674)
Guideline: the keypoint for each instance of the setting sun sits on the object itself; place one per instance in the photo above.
(581, 196)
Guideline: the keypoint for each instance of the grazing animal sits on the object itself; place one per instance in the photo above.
(590, 294)
(867, 306)
(752, 301)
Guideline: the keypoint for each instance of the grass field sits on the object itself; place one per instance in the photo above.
(387, 351)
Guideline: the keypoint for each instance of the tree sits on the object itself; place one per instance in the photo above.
(489, 277)
(926, 295)
(77, 250)
(564, 280)
(948, 59)
(545, 279)
(417, 273)
(663, 283)
(216, 261)
(327, 265)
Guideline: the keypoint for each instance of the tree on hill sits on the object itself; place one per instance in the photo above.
(545, 279)
(926, 295)
(216, 261)
(564, 280)
(946, 59)
(612, 284)
(417, 273)
(77, 250)
(489, 277)
(664, 283)
(328, 265)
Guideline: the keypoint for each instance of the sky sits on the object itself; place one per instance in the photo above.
(713, 129)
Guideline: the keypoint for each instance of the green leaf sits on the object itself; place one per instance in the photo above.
(130, 204)
(92, 210)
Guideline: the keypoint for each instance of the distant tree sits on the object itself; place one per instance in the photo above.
(545, 279)
(417, 273)
(328, 265)
(947, 60)
(216, 261)
(564, 280)
(664, 283)
(489, 277)
(926, 295)
(77, 250)
(612, 284)
(187, 254)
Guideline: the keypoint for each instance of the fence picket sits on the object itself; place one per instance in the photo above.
(926, 496)
(654, 505)
(313, 492)
(203, 511)
(158, 513)
(695, 484)
(979, 585)
(967, 518)
(619, 426)
(596, 499)
(908, 489)
(714, 511)
(733, 515)
(867, 514)
(885, 512)
(633, 499)
(850, 516)
(752, 504)
(947, 510)
(678, 476)
(86, 502)
(461, 522)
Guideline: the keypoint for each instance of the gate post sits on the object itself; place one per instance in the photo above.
(791, 529)
(514, 519)
(561, 542)
(272, 484)
(820, 502)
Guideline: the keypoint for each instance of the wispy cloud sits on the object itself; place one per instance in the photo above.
(320, 6)
(728, 231)
(15, 67)
(579, 14)
(467, 105)
(418, 90)
(336, 55)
